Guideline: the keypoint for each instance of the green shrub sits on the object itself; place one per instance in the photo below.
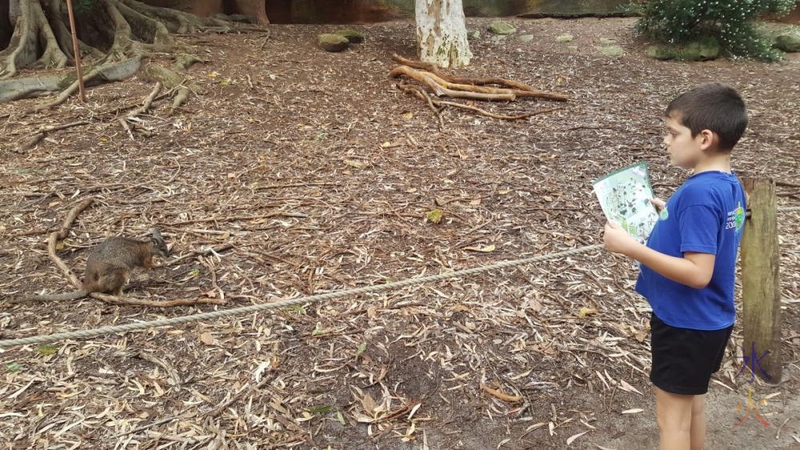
(731, 22)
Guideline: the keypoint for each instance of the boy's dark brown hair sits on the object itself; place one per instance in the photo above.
(712, 106)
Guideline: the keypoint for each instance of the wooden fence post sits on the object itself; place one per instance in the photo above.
(761, 288)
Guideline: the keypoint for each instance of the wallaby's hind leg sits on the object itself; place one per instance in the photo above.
(114, 280)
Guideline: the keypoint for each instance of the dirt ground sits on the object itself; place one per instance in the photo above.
(319, 173)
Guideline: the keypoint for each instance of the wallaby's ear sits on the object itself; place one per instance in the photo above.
(159, 243)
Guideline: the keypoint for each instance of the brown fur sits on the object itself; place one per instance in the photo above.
(109, 265)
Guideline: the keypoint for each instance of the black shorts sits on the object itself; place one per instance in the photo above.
(684, 359)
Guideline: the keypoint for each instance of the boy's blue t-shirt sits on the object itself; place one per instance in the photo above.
(705, 215)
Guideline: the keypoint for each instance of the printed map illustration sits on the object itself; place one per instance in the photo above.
(625, 198)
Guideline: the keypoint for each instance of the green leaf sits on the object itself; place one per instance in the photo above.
(320, 409)
(297, 308)
(435, 216)
(13, 367)
(47, 350)
(361, 349)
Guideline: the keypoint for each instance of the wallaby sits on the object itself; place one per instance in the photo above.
(109, 265)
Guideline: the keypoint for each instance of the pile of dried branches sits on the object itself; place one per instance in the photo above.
(427, 75)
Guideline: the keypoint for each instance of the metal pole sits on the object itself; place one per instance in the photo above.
(76, 50)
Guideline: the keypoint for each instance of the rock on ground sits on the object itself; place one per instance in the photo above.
(333, 42)
(501, 28)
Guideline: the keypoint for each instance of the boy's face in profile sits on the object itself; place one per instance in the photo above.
(684, 150)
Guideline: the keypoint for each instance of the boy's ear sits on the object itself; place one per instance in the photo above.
(709, 139)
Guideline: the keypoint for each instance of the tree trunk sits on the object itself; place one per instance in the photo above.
(442, 33)
(5, 24)
(109, 33)
(253, 8)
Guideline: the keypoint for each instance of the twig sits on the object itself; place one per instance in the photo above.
(502, 396)
(213, 278)
(39, 135)
(498, 116)
(786, 183)
(237, 218)
(202, 252)
(419, 93)
(29, 143)
(223, 406)
(147, 101)
(119, 109)
(60, 235)
(126, 126)
(155, 303)
(150, 425)
(290, 185)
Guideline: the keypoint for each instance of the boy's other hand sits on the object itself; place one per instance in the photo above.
(658, 203)
(616, 239)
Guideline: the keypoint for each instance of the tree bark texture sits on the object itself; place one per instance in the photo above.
(442, 33)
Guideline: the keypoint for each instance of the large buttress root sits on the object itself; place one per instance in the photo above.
(110, 34)
(23, 49)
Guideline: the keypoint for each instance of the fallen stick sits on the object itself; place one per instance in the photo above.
(501, 395)
(498, 116)
(421, 94)
(155, 303)
(147, 101)
(236, 397)
(39, 135)
(126, 126)
(62, 234)
(203, 252)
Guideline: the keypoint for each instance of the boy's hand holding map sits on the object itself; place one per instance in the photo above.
(627, 200)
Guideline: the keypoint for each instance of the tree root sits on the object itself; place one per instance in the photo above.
(524, 89)
(106, 73)
(127, 29)
(442, 88)
(147, 102)
(444, 85)
(32, 25)
(420, 93)
(180, 98)
(178, 21)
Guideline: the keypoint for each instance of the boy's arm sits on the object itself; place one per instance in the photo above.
(693, 270)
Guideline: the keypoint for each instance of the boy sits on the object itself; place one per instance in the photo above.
(687, 267)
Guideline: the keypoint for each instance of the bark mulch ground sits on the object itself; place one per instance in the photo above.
(317, 174)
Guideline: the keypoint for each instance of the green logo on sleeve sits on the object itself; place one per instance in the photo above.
(739, 217)
(736, 219)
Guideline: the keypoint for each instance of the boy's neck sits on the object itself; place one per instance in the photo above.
(712, 162)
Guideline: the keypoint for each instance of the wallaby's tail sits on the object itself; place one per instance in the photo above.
(54, 298)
